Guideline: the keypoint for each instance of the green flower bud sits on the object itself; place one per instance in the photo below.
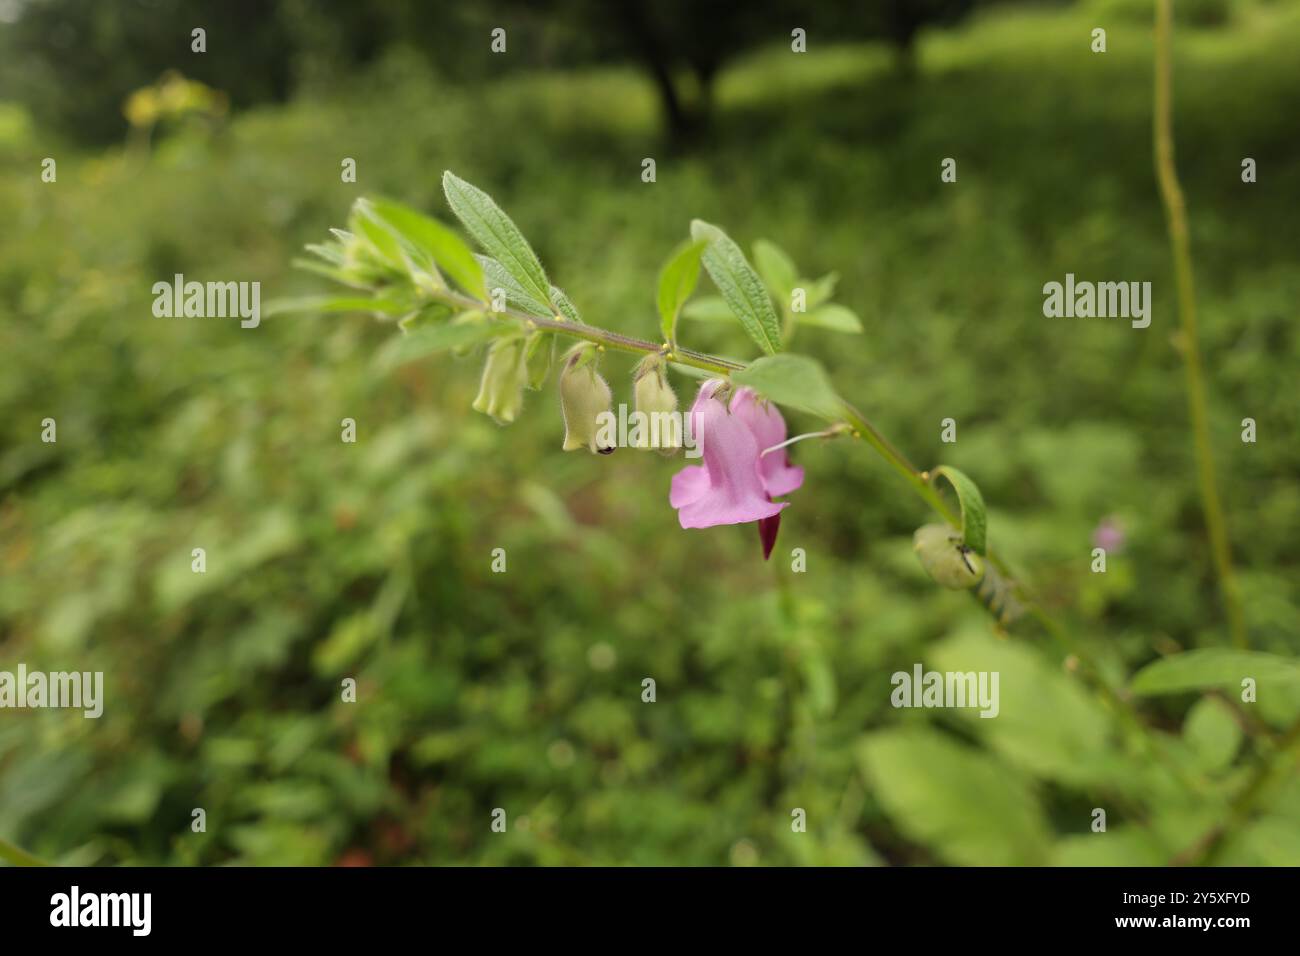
(945, 559)
(501, 390)
(584, 395)
(539, 354)
(655, 397)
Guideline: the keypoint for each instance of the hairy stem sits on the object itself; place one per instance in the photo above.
(578, 330)
(1176, 214)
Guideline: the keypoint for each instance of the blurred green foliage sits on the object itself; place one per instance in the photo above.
(522, 690)
(73, 62)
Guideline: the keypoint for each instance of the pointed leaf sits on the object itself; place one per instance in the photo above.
(836, 317)
(497, 277)
(963, 804)
(795, 381)
(565, 306)
(677, 281)
(1212, 667)
(740, 286)
(708, 308)
(320, 304)
(448, 250)
(777, 269)
(974, 515)
(817, 291)
(498, 234)
(428, 339)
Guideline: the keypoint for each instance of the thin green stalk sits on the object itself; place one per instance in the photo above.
(1176, 215)
(613, 340)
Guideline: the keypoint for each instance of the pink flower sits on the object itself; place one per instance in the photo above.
(1109, 535)
(736, 483)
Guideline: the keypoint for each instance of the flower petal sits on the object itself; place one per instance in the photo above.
(734, 493)
(689, 484)
(765, 421)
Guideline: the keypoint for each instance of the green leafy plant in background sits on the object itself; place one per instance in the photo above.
(395, 254)
(223, 687)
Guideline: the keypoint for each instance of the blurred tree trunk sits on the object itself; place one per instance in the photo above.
(902, 21)
(653, 53)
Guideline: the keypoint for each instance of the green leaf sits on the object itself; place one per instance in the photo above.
(739, 285)
(496, 233)
(341, 276)
(1272, 840)
(1047, 724)
(498, 277)
(837, 317)
(331, 252)
(709, 308)
(383, 241)
(677, 281)
(974, 516)
(967, 807)
(1211, 667)
(566, 307)
(429, 339)
(1212, 734)
(777, 269)
(795, 381)
(1118, 846)
(448, 250)
(819, 290)
(539, 355)
(318, 304)
(433, 313)
(690, 371)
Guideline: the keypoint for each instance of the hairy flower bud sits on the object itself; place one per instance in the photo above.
(538, 355)
(584, 395)
(654, 397)
(501, 390)
(949, 564)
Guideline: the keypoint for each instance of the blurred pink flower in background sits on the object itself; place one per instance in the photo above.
(1109, 535)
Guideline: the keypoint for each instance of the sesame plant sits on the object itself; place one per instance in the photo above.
(413, 270)
(349, 675)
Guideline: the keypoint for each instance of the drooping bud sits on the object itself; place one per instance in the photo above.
(948, 562)
(538, 355)
(661, 426)
(585, 402)
(501, 390)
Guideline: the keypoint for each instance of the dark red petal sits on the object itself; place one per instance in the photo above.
(767, 529)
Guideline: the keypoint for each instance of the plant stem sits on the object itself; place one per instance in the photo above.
(1176, 214)
(578, 330)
